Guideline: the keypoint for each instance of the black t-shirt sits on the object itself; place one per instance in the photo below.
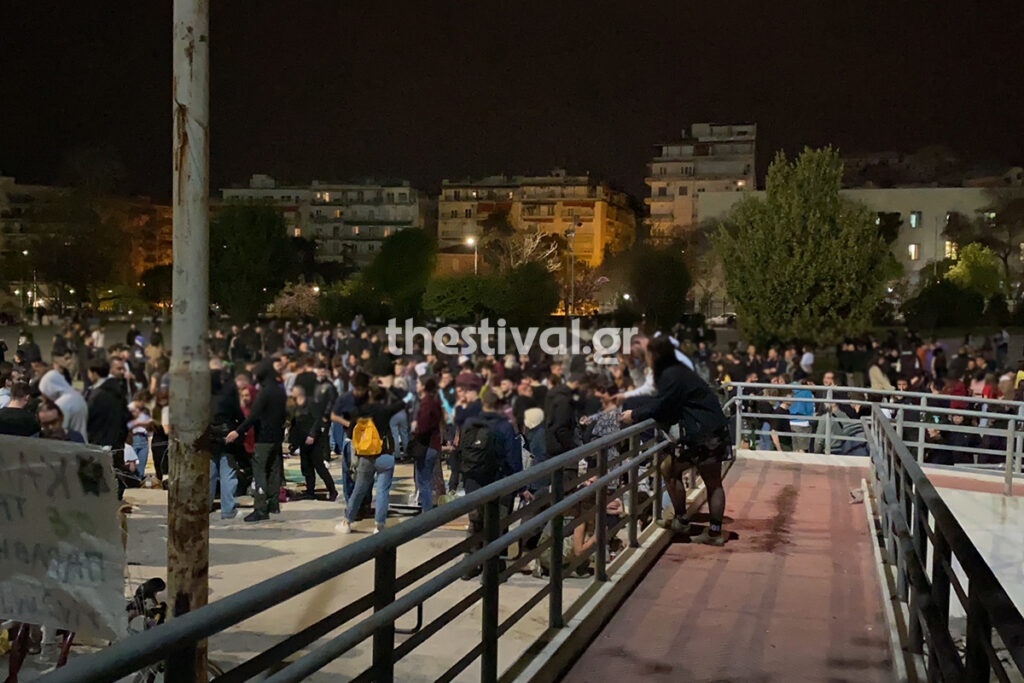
(18, 422)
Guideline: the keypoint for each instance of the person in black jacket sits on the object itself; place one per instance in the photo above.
(307, 432)
(16, 419)
(108, 410)
(561, 418)
(268, 415)
(226, 414)
(684, 399)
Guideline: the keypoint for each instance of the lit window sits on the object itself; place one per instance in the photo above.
(355, 230)
(915, 219)
(914, 251)
(298, 232)
(387, 232)
(683, 190)
(337, 213)
(952, 250)
(327, 196)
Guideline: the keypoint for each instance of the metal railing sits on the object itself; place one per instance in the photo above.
(621, 463)
(978, 433)
(916, 524)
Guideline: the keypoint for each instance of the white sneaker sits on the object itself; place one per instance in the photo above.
(377, 529)
(343, 527)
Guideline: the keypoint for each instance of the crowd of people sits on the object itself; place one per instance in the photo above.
(320, 393)
(980, 368)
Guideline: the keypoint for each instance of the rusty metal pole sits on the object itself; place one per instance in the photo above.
(188, 506)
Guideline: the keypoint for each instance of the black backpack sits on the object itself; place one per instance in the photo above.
(479, 456)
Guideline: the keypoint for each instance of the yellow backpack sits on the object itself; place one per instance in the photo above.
(366, 441)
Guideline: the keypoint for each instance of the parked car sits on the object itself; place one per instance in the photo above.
(723, 320)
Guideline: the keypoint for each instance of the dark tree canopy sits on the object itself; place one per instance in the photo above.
(659, 281)
(400, 271)
(251, 258)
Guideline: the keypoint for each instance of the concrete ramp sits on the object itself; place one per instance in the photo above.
(793, 596)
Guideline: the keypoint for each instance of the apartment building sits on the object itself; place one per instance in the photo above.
(349, 221)
(552, 204)
(710, 157)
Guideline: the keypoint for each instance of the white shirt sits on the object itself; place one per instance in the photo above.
(807, 361)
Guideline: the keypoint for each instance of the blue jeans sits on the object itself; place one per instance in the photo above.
(383, 466)
(425, 479)
(222, 468)
(400, 430)
(348, 484)
(140, 442)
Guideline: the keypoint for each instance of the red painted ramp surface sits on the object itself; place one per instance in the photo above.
(793, 595)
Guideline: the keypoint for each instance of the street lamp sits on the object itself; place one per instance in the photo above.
(570, 235)
(471, 241)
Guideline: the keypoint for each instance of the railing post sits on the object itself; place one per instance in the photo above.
(601, 521)
(739, 416)
(828, 421)
(976, 666)
(383, 595)
(941, 555)
(919, 539)
(1011, 442)
(1020, 441)
(181, 667)
(921, 434)
(656, 464)
(555, 619)
(491, 573)
(634, 493)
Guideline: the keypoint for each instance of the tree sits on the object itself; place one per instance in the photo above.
(297, 300)
(889, 223)
(803, 263)
(999, 226)
(74, 226)
(156, 283)
(462, 298)
(340, 302)
(659, 281)
(943, 304)
(400, 271)
(527, 294)
(504, 248)
(978, 269)
(251, 258)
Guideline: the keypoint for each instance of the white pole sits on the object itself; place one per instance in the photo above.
(188, 508)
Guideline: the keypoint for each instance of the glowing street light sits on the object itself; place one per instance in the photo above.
(471, 241)
(316, 289)
(625, 296)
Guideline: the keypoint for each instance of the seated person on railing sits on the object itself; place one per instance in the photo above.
(846, 436)
(684, 399)
(955, 440)
(768, 438)
(801, 411)
(582, 538)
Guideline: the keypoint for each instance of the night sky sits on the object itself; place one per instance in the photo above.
(427, 90)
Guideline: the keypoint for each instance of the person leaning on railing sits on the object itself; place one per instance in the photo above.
(684, 399)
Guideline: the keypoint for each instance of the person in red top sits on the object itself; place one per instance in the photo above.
(427, 434)
(955, 387)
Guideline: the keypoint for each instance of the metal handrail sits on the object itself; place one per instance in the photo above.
(915, 414)
(914, 521)
(176, 639)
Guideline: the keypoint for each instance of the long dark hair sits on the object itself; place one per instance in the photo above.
(663, 355)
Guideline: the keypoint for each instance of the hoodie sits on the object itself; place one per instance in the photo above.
(76, 413)
(269, 410)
